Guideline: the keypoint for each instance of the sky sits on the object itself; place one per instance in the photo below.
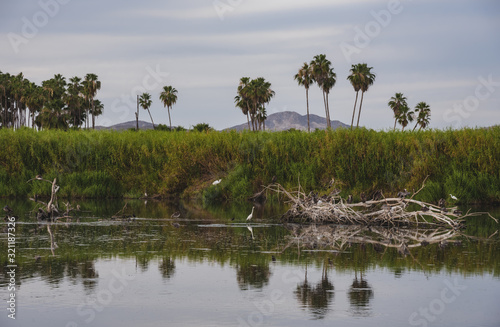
(445, 53)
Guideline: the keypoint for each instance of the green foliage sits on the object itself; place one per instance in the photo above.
(465, 163)
(202, 127)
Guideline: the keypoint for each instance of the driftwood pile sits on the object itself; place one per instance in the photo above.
(379, 211)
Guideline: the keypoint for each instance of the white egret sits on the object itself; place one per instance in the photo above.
(453, 197)
(217, 182)
(250, 215)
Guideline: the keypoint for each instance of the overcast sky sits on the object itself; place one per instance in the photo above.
(446, 53)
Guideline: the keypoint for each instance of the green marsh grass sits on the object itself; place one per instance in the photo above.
(100, 164)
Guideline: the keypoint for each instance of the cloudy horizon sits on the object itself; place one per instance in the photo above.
(444, 53)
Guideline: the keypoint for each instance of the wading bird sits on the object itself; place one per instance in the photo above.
(217, 182)
(453, 197)
(250, 215)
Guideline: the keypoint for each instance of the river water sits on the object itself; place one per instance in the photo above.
(209, 267)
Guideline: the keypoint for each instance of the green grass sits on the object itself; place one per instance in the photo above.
(97, 164)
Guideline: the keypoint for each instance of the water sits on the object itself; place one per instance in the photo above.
(209, 268)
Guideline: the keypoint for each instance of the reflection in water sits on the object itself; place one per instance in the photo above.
(339, 237)
(167, 267)
(317, 297)
(252, 275)
(56, 253)
(360, 293)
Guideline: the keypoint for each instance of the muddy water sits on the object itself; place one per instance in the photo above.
(117, 265)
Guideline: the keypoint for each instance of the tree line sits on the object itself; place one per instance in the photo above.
(56, 103)
(361, 77)
(61, 104)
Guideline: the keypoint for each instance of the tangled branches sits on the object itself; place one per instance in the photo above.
(376, 212)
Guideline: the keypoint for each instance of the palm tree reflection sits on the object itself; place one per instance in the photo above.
(316, 298)
(253, 275)
(360, 293)
(167, 267)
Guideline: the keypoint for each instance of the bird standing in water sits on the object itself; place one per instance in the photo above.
(250, 215)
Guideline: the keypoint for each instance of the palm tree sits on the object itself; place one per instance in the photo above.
(424, 115)
(304, 78)
(241, 99)
(367, 80)
(74, 100)
(169, 98)
(91, 86)
(405, 116)
(145, 102)
(355, 79)
(396, 103)
(324, 76)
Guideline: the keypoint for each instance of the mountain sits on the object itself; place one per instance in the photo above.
(282, 121)
(128, 125)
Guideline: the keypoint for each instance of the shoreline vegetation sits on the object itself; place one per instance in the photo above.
(162, 164)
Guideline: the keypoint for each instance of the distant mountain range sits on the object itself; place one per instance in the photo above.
(280, 121)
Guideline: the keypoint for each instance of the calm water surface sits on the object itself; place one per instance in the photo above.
(209, 268)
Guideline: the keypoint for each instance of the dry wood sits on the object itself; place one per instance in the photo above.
(384, 212)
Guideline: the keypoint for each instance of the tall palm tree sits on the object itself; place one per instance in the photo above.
(324, 76)
(396, 103)
(305, 78)
(91, 86)
(367, 81)
(241, 100)
(169, 98)
(355, 79)
(145, 102)
(74, 100)
(424, 115)
(405, 116)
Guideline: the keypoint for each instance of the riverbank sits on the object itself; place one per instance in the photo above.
(107, 164)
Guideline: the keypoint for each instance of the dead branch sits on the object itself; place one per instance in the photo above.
(384, 212)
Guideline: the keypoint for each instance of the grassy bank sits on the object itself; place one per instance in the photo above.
(98, 164)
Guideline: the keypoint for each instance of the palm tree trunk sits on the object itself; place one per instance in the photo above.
(248, 121)
(326, 111)
(395, 121)
(354, 110)
(93, 116)
(151, 119)
(307, 101)
(360, 105)
(137, 115)
(170, 122)
(414, 127)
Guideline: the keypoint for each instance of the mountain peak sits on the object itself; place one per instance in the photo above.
(285, 120)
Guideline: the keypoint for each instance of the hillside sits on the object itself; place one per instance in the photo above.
(282, 121)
